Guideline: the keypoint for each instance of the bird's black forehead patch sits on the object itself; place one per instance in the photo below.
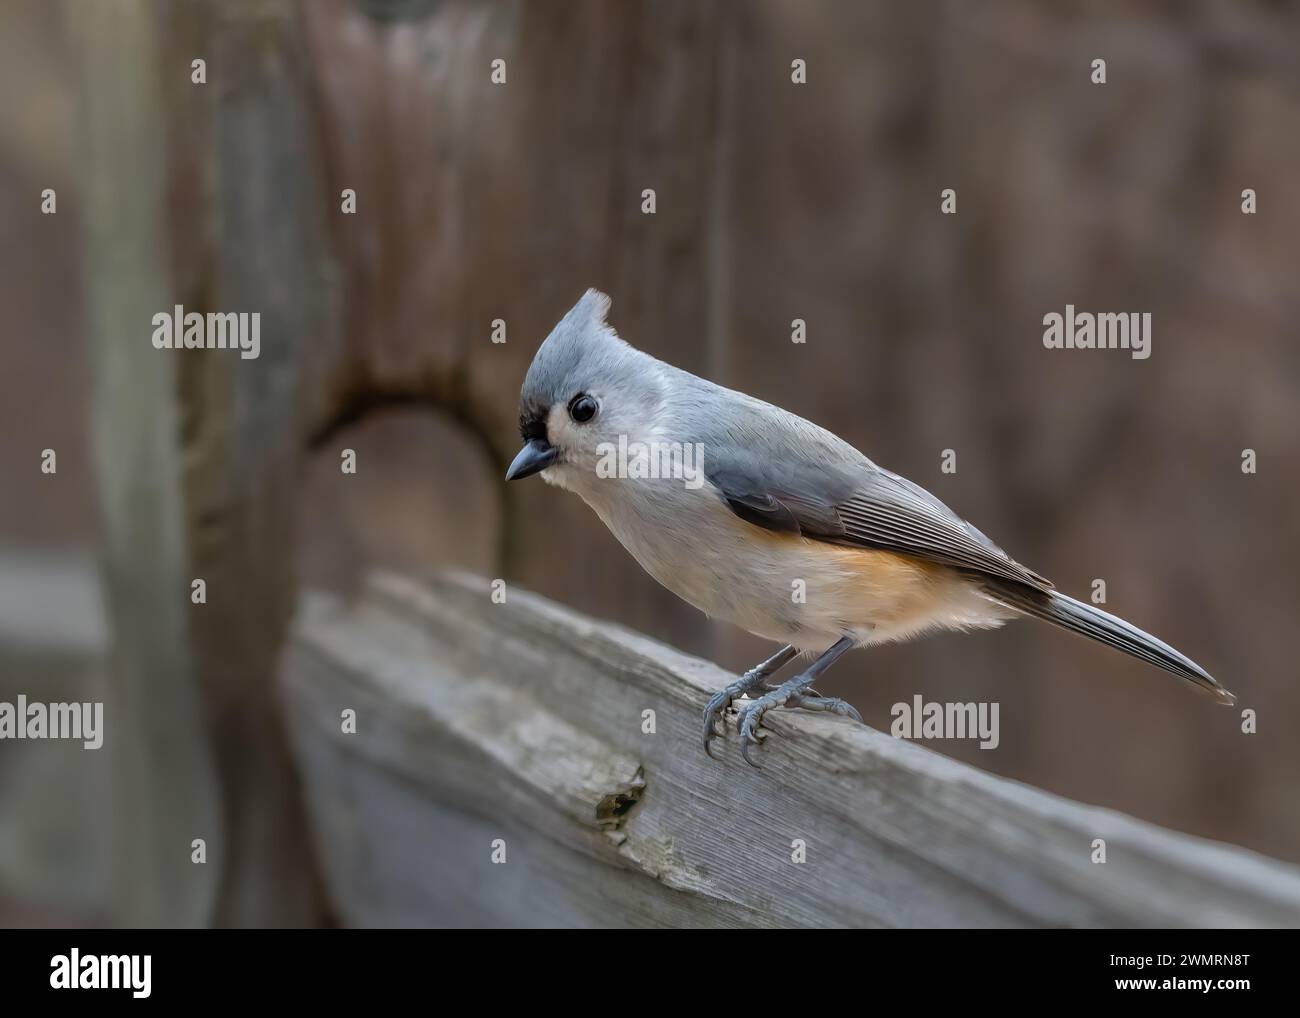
(532, 421)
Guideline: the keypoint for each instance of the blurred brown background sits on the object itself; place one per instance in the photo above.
(775, 201)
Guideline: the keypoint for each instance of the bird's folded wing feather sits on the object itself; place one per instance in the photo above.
(863, 506)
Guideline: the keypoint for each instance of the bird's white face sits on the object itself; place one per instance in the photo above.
(588, 430)
(576, 429)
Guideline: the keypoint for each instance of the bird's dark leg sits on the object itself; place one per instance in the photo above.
(748, 682)
(794, 693)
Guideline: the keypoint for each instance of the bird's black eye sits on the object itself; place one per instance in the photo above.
(582, 408)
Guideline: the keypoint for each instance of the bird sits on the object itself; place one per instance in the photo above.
(761, 518)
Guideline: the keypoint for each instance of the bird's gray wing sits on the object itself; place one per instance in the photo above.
(861, 505)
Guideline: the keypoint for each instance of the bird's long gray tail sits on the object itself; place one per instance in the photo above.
(1092, 622)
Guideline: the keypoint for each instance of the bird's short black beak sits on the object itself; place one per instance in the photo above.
(534, 456)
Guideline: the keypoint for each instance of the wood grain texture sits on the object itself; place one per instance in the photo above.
(523, 721)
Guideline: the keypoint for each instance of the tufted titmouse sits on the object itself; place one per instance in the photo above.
(761, 518)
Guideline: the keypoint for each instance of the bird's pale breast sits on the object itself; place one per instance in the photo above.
(782, 586)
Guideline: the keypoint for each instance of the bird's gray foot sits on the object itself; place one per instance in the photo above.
(810, 699)
(792, 693)
(721, 700)
(751, 715)
(747, 683)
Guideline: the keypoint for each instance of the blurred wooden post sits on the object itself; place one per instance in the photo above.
(198, 451)
(165, 788)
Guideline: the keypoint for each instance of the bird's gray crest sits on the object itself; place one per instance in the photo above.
(576, 352)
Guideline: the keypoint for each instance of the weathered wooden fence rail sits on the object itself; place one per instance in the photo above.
(520, 725)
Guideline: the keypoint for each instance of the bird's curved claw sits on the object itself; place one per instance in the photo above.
(750, 733)
(718, 703)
